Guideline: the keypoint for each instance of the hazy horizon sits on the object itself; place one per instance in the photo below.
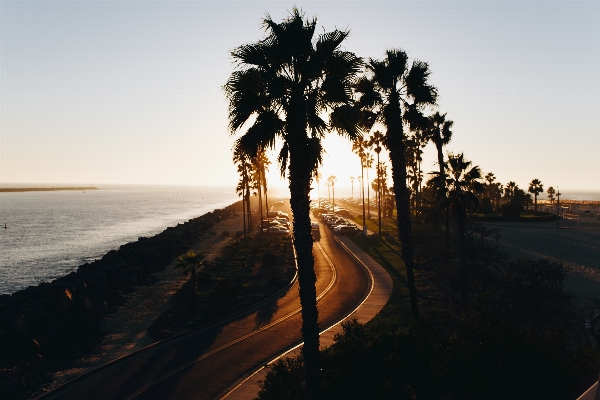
(130, 92)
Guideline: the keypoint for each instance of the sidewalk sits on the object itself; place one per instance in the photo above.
(381, 289)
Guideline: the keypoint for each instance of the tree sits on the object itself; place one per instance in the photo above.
(188, 263)
(284, 85)
(331, 181)
(358, 147)
(352, 184)
(551, 192)
(395, 92)
(463, 184)
(535, 188)
(244, 168)
(376, 141)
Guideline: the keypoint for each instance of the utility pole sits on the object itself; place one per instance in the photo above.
(557, 206)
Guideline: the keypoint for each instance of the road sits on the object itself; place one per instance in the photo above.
(202, 364)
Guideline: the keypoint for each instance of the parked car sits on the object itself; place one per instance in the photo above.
(314, 225)
(278, 230)
(337, 228)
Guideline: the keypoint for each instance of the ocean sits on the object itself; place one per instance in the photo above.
(51, 233)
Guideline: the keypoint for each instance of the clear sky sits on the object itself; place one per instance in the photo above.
(130, 92)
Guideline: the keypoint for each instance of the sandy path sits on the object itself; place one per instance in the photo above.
(579, 249)
(127, 329)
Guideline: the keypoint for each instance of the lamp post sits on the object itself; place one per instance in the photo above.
(557, 205)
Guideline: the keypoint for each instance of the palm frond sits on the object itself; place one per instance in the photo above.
(282, 159)
(417, 85)
(347, 121)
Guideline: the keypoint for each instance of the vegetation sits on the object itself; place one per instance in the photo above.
(288, 81)
(485, 322)
(247, 271)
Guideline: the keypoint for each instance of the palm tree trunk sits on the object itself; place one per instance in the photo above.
(244, 213)
(259, 187)
(441, 164)
(266, 199)
(248, 212)
(362, 187)
(379, 194)
(464, 287)
(368, 197)
(398, 159)
(299, 191)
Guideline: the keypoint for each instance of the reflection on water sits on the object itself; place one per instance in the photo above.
(51, 233)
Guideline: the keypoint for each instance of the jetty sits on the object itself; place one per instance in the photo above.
(46, 189)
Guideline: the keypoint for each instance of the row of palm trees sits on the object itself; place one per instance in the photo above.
(252, 169)
(293, 87)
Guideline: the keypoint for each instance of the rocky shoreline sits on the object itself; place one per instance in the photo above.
(45, 326)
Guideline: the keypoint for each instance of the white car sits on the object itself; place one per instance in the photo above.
(336, 228)
(278, 230)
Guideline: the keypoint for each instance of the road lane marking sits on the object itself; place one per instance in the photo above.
(229, 344)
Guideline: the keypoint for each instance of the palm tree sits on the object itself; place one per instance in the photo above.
(395, 92)
(358, 147)
(376, 141)
(244, 168)
(284, 85)
(463, 184)
(352, 184)
(551, 192)
(189, 262)
(368, 165)
(331, 181)
(440, 134)
(318, 179)
(536, 187)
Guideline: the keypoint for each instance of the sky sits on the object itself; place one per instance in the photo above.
(99, 92)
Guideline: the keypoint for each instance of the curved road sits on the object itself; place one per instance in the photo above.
(202, 364)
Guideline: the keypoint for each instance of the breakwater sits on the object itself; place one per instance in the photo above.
(45, 325)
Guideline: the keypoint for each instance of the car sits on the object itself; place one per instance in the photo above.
(314, 225)
(337, 228)
(278, 230)
(348, 230)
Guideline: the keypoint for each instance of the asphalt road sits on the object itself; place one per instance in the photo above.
(201, 365)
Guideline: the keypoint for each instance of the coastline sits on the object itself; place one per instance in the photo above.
(52, 189)
(47, 326)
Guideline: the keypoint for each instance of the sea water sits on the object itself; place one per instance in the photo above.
(51, 233)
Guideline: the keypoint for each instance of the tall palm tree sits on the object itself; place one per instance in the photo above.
(331, 180)
(358, 147)
(368, 166)
(395, 92)
(352, 184)
(244, 168)
(536, 187)
(376, 141)
(284, 85)
(463, 184)
(440, 133)
(318, 179)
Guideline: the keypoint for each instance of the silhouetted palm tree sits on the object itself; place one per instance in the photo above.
(288, 81)
(441, 134)
(536, 187)
(244, 168)
(551, 192)
(463, 184)
(331, 181)
(376, 141)
(358, 147)
(395, 91)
